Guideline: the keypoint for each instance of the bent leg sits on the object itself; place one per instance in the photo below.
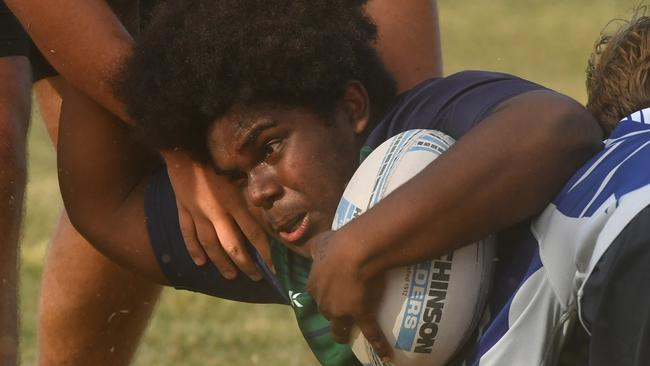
(92, 312)
(15, 82)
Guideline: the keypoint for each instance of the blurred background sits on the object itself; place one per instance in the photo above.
(546, 41)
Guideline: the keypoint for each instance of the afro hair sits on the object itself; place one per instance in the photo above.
(200, 58)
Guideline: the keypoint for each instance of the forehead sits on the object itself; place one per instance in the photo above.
(227, 131)
(235, 124)
(242, 121)
(232, 134)
(239, 119)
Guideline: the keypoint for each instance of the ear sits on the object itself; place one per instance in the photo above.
(356, 104)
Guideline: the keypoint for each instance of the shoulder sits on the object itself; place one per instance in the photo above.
(453, 104)
(441, 92)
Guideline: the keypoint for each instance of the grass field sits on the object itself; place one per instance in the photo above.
(547, 41)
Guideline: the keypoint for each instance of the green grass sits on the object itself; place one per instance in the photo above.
(545, 41)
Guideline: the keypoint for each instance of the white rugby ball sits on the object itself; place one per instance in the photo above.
(428, 309)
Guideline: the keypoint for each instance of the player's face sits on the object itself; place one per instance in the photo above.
(292, 166)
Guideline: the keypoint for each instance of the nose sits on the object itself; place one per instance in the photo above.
(263, 188)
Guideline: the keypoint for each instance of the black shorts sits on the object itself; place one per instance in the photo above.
(615, 305)
(14, 41)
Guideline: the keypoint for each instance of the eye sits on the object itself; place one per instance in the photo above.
(271, 148)
(237, 178)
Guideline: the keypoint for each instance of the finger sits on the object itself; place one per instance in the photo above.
(375, 336)
(256, 235)
(212, 247)
(188, 231)
(340, 328)
(234, 245)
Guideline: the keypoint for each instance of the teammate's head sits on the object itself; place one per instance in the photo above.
(277, 94)
(618, 82)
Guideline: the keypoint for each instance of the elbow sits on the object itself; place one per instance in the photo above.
(75, 212)
(580, 136)
(568, 131)
(82, 209)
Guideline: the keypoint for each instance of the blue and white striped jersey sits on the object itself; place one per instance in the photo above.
(561, 249)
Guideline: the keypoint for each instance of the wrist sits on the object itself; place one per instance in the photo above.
(355, 255)
(174, 157)
(178, 159)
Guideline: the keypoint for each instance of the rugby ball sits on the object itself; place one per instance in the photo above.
(429, 309)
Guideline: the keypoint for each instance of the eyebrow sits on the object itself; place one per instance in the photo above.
(248, 136)
(254, 131)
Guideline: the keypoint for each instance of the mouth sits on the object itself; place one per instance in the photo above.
(295, 229)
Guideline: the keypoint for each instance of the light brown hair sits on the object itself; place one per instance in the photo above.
(617, 73)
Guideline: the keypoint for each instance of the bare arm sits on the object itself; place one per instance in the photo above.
(102, 174)
(510, 171)
(512, 165)
(104, 177)
(83, 40)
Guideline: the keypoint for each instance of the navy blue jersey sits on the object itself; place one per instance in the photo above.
(453, 105)
(176, 263)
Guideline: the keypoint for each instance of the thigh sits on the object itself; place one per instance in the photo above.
(92, 311)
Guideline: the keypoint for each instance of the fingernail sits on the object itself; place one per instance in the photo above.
(230, 275)
(273, 269)
(256, 277)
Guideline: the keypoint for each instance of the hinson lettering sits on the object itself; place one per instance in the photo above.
(435, 303)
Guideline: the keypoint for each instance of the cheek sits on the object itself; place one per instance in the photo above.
(316, 166)
(322, 173)
(260, 217)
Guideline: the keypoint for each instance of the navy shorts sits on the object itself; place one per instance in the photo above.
(177, 265)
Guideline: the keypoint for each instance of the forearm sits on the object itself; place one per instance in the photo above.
(83, 40)
(502, 172)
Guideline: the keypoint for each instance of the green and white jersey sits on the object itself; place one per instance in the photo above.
(292, 271)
